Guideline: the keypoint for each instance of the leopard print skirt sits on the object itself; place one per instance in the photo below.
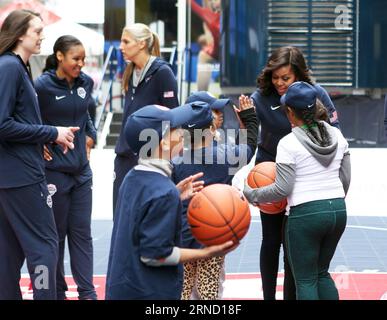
(203, 279)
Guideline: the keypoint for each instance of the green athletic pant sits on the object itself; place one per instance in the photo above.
(312, 232)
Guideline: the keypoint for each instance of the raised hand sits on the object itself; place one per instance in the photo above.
(189, 186)
(245, 102)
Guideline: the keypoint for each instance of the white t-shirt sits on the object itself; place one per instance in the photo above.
(313, 180)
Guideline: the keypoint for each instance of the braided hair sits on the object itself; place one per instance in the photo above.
(311, 119)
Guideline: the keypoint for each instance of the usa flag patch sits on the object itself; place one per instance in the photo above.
(169, 94)
(334, 117)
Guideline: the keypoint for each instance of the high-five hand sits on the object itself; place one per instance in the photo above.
(245, 102)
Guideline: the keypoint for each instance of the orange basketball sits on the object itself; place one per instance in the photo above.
(262, 175)
(217, 214)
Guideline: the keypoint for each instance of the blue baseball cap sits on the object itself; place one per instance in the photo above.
(205, 96)
(160, 119)
(203, 116)
(300, 95)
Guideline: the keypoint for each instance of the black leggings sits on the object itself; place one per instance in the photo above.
(273, 226)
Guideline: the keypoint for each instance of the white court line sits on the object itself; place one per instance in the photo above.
(368, 228)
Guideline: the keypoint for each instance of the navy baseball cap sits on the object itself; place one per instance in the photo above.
(300, 95)
(205, 96)
(160, 119)
(202, 118)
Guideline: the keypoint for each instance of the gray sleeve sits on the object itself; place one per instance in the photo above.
(345, 172)
(172, 260)
(281, 188)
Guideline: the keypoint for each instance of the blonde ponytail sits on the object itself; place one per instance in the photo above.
(155, 46)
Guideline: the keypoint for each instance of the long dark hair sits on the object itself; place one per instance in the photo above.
(15, 26)
(312, 118)
(282, 57)
(62, 44)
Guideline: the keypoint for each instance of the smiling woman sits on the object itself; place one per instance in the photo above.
(27, 227)
(64, 94)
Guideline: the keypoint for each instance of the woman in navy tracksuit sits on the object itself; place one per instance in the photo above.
(27, 226)
(285, 66)
(64, 94)
(147, 80)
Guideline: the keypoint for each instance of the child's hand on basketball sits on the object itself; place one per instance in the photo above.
(221, 249)
(189, 186)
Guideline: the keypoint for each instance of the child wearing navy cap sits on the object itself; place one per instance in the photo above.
(217, 105)
(219, 162)
(313, 172)
(226, 115)
(145, 253)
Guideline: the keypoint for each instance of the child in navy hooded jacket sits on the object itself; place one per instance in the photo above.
(145, 251)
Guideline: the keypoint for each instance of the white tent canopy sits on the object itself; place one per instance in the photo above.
(92, 40)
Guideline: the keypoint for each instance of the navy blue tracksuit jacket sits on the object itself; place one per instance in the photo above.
(22, 134)
(148, 224)
(159, 86)
(62, 106)
(27, 227)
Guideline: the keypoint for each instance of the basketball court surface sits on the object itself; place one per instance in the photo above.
(359, 266)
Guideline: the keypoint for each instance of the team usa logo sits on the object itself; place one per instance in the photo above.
(81, 92)
(49, 201)
(51, 189)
